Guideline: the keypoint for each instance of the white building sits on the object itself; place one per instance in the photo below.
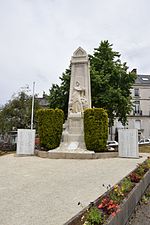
(140, 115)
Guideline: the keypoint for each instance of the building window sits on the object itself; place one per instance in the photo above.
(136, 92)
(138, 124)
(136, 108)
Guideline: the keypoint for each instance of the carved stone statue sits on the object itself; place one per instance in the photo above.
(78, 101)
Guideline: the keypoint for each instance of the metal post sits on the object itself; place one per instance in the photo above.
(32, 107)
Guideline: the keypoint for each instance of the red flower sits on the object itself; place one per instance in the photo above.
(113, 214)
(100, 206)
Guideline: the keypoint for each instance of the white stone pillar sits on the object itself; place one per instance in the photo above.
(25, 142)
(128, 143)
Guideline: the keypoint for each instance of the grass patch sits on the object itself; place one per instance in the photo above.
(144, 148)
(5, 152)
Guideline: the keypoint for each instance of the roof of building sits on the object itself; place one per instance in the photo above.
(142, 79)
(43, 101)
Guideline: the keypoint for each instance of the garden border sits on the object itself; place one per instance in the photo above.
(126, 207)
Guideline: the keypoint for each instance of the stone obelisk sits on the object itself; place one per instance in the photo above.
(79, 100)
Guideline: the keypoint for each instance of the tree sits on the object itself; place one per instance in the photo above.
(111, 83)
(59, 95)
(17, 113)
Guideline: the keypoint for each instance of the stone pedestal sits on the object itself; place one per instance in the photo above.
(73, 135)
(25, 142)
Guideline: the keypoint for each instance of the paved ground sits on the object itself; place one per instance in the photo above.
(37, 191)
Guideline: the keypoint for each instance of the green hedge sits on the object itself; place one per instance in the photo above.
(50, 125)
(96, 129)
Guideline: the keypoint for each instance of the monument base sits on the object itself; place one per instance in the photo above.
(52, 154)
(73, 135)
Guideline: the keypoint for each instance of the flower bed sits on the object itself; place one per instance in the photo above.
(117, 204)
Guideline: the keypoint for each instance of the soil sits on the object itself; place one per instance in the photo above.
(141, 216)
(5, 152)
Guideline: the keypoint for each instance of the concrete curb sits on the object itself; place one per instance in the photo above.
(73, 155)
(127, 207)
(23, 155)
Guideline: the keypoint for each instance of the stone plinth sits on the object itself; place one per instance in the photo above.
(25, 142)
(73, 136)
(55, 154)
(128, 143)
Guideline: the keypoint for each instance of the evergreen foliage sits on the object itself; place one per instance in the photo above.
(111, 83)
(95, 129)
(50, 124)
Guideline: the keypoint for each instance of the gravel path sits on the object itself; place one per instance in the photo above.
(37, 191)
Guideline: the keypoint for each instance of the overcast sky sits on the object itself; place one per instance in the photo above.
(38, 38)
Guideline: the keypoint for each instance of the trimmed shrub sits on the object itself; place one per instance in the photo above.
(96, 129)
(50, 125)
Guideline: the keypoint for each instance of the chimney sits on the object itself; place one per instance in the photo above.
(134, 71)
(44, 94)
